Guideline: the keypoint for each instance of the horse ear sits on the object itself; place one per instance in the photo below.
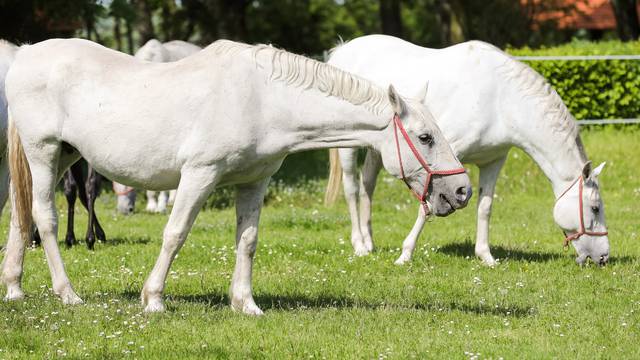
(598, 170)
(396, 101)
(422, 94)
(586, 170)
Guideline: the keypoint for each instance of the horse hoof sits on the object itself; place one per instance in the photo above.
(252, 310)
(402, 260)
(249, 309)
(154, 306)
(361, 252)
(489, 261)
(14, 294)
(71, 299)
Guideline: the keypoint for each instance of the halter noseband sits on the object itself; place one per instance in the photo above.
(397, 124)
(582, 231)
(122, 193)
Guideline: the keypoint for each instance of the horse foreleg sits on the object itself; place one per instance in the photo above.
(369, 175)
(349, 162)
(488, 178)
(249, 200)
(195, 186)
(409, 243)
(70, 193)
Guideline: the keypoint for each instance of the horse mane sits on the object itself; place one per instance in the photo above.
(306, 73)
(534, 86)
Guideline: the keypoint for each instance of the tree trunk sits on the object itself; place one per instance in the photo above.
(145, 21)
(390, 17)
(233, 23)
(451, 18)
(117, 33)
(129, 36)
(627, 21)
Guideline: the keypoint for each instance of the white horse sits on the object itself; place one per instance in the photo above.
(229, 115)
(485, 102)
(7, 53)
(154, 51)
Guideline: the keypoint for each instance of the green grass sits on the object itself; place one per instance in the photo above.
(322, 302)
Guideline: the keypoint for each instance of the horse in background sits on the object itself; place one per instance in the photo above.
(485, 102)
(153, 51)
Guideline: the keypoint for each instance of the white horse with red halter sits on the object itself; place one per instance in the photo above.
(154, 51)
(485, 102)
(227, 118)
(7, 52)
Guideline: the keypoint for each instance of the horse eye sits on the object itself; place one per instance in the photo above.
(595, 209)
(426, 139)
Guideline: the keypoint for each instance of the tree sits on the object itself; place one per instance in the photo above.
(144, 21)
(390, 17)
(626, 19)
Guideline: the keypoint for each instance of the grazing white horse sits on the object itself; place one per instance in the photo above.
(154, 51)
(7, 52)
(485, 102)
(228, 115)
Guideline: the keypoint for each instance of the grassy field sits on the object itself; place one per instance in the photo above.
(322, 302)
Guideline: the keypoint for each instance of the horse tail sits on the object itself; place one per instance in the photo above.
(335, 178)
(21, 180)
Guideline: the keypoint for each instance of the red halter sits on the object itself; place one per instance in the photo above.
(397, 124)
(582, 230)
(121, 193)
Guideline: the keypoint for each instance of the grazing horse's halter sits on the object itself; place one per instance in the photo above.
(397, 124)
(122, 193)
(582, 231)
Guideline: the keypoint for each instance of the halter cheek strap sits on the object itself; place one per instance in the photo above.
(397, 125)
(127, 190)
(582, 231)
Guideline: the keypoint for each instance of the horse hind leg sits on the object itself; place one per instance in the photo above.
(152, 204)
(488, 178)
(71, 194)
(97, 228)
(12, 266)
(249, 200)
(93, 190)
(368, 177)
(45, 163)
(163, 200)
(349, 162)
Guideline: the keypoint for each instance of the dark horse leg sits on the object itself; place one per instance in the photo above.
(94, 181)
(88, 192)
(70, 192)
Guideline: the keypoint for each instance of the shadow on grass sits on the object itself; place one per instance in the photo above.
(302, 302)
(117, 241)
(467, 248)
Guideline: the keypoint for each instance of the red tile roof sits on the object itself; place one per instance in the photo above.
(577, 14)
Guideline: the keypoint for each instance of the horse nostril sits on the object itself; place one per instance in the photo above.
(463, 194)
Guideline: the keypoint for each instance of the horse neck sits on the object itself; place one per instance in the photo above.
(317, 121)
(553, 142)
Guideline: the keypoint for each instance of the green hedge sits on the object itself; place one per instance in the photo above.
(593, 89)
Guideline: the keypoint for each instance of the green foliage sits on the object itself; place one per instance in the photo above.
(593, 89)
